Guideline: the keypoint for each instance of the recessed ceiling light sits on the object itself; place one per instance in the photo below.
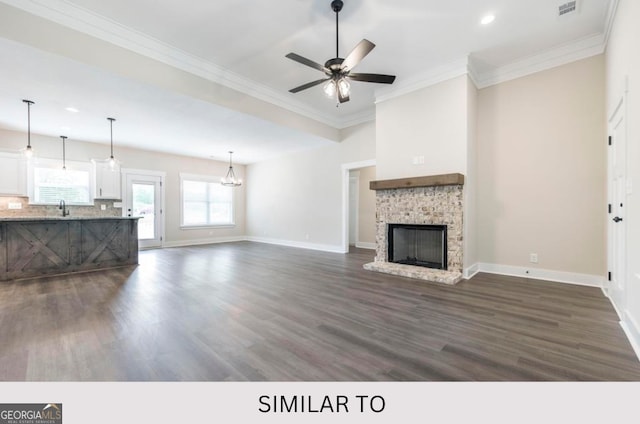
(71, 109)
(488, 19)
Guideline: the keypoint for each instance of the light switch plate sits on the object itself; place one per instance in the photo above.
(103, 207)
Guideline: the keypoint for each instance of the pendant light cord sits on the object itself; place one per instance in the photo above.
(29, 124)
(111, 125)
(29, 103)
(64, 152)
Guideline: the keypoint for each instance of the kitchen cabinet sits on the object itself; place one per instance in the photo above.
(108, 185)
(13, 174)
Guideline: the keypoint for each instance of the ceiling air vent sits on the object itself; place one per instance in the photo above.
(566, 8)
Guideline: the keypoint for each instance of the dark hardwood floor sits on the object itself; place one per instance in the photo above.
(250, 311)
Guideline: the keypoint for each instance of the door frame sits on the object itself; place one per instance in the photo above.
(148, 173)
(346, 167)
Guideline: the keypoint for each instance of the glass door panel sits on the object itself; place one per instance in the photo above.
(143, 205)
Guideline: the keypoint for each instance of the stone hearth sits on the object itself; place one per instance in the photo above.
(435, 200)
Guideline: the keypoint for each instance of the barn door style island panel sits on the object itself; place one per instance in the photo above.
(34, 247)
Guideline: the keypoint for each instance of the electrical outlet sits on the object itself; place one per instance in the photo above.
(16, 205)
(103, 207)
(533, 258)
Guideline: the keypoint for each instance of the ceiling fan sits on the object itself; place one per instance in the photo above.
(338, 70)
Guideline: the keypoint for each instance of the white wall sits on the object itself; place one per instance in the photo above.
(297, 199)
(542, 171)
(51, 147)
(431, 122)
(623, 62)
(470, 212)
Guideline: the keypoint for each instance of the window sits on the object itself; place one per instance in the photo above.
(205, 202)
(49, 183)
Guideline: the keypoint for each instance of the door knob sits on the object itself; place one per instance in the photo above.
(617, 219)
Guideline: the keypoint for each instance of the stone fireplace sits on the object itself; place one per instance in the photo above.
(420, 201)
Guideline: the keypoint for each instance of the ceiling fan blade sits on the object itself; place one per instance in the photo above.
(357, 54)
(342, 98)
(379, 78)
(308, 85)
(308, 62)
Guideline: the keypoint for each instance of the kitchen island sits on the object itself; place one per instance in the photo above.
(40, 246)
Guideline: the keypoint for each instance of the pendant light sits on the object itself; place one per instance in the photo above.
(230, 180)
(64, 152)
(28, 151)
(112, 160)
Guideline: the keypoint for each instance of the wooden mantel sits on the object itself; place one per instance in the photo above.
(430, 181)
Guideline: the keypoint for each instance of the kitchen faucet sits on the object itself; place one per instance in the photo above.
(63, 207)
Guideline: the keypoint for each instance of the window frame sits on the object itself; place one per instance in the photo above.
(210, 179)
(72, 165)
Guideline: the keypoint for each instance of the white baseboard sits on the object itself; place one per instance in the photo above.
(364, 245)
(199, 242)
(469, 272)
(632, 331)
(299, 244)
(544, 274)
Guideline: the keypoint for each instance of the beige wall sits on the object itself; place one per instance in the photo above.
(542, 170)
(623, 64)
(366, 206)
(431, 122)
(50, 147)
(297, 199)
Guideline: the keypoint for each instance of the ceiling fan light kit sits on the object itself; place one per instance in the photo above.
(338, 70)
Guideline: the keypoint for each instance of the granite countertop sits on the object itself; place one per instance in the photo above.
(66, 218)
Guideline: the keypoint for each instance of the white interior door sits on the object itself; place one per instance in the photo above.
(616, 227)
(144, 199)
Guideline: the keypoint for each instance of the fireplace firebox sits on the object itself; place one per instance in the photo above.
(418, 245)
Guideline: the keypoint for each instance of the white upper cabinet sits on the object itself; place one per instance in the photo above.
(13, 174)
(107, 180)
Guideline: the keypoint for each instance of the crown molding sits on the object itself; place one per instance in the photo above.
(66, 14)
(358, 118)
(472, 73)
(611, 17)
(433, 76)
(560, 55)
(71, 16)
